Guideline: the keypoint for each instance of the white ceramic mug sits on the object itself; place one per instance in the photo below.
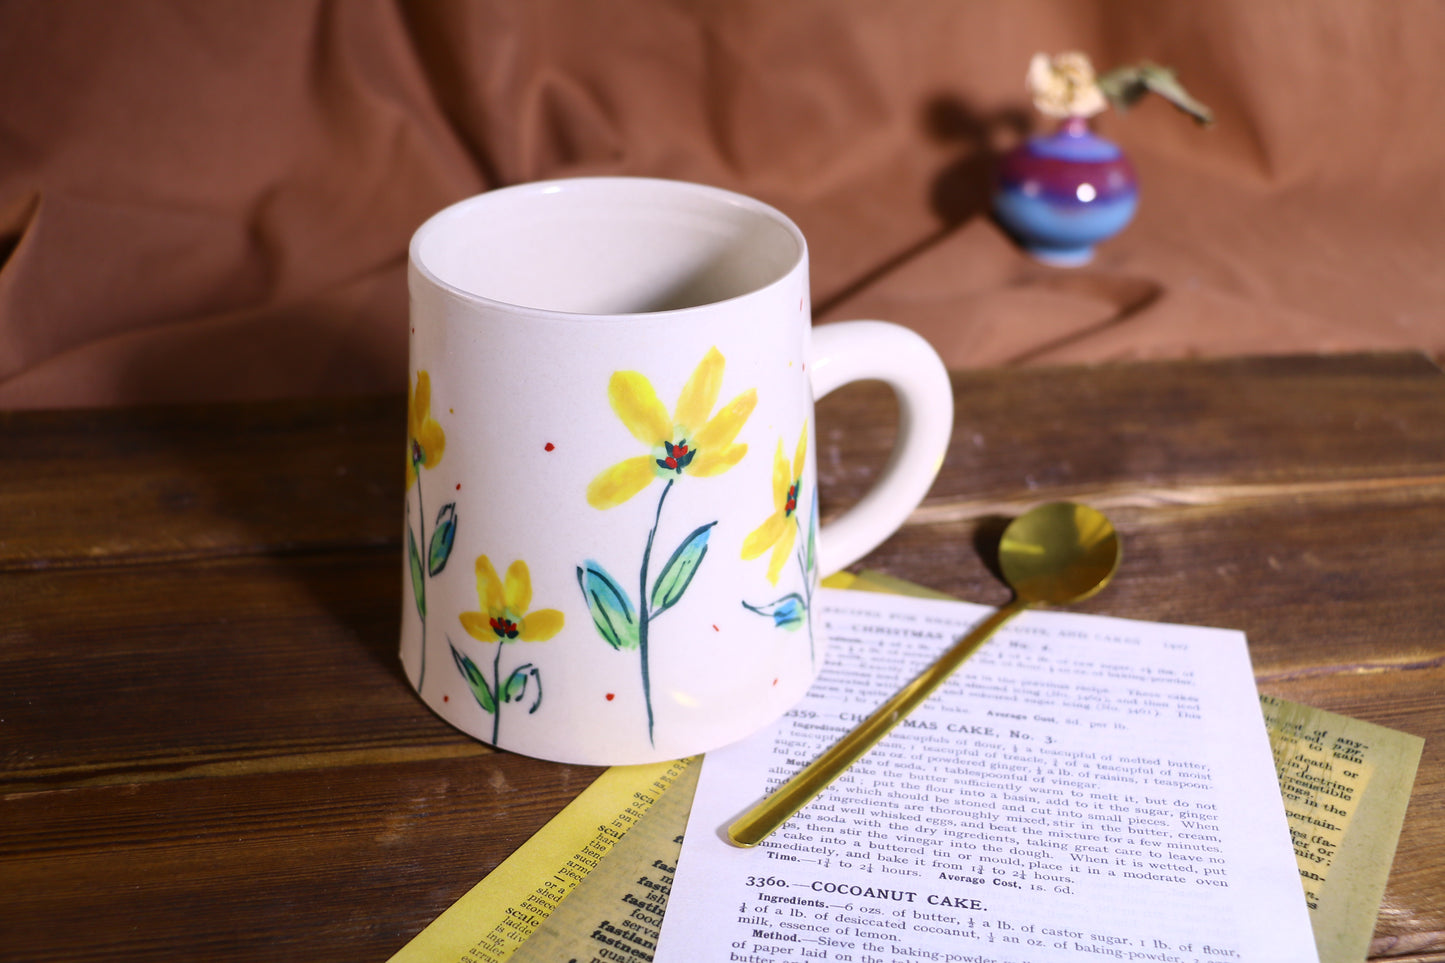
(612, 540)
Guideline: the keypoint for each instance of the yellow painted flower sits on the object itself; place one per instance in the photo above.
(425, 440)
(504, 616)
(687, 442)
(780, 529)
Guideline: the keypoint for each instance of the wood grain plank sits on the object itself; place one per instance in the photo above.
(141, 670)
(208, 749)
(327, 864)
(1177, 426)
(348, 863)
(95, 487)
(110, 485)
(167, 669)
(1333, 583)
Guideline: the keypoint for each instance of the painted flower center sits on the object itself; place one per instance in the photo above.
(678, 456)
(504, 627)
(791, 505)
(418, 454)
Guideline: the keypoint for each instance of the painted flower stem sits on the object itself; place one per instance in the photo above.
(421, 596)
(644, 610)
(497, 693)
(691, 439)
(425, 442)
(807, 586)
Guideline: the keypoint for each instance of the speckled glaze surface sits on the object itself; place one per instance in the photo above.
(1063, 193)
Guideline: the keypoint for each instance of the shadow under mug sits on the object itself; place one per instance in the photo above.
(612, 536)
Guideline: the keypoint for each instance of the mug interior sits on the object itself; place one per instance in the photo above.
(607, 246)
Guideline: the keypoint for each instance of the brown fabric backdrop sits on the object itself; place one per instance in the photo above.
(212, 200)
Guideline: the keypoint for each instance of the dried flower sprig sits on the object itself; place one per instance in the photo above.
(1065, 85)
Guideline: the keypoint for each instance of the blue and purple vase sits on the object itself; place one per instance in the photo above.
(1061, 194)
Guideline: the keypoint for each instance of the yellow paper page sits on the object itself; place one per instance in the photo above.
(621, 904)
(498, 914)
(1346, 784)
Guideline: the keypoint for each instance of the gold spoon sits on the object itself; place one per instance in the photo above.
(1055, 553)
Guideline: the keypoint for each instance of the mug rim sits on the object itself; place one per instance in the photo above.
(734, 199)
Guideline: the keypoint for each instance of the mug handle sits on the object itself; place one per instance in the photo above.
(877, 350)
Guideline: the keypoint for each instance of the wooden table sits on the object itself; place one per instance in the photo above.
(209, 750)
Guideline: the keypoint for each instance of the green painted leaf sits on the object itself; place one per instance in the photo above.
(788, 613)
(677, 574)
(441, 539)
(611, 608)
(418, 581)
(515, 688)
(475, 681)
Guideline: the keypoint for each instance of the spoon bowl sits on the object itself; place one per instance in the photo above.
(1058, 553)
(1054, 554)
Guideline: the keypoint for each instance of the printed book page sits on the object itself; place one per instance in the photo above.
(1084, 787)
(1346, 784)
(618, 909)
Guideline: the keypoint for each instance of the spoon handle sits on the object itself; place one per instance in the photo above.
(759, 822)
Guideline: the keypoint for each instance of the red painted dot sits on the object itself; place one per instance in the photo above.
(446, 698)
(459, 486)
(716, 629)
(775, 682)
(611, 696)
(548, 446)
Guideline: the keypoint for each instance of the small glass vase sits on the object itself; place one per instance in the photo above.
(1062, 193)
